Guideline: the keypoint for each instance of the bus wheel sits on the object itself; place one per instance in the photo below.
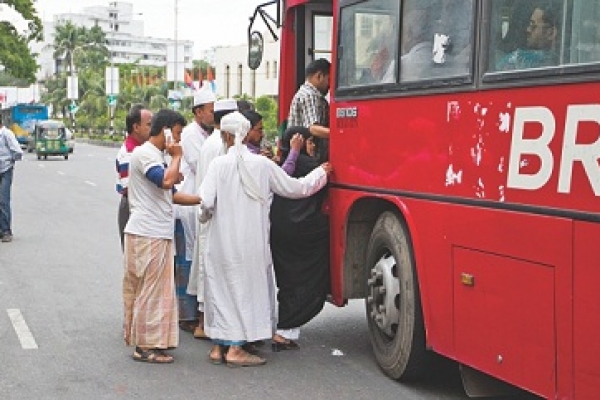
(66, 156)
(393, 306)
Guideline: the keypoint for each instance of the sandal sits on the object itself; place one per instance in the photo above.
(200, 334)
(217, 360)
(249, 361)
(281, 346)
(152, 356)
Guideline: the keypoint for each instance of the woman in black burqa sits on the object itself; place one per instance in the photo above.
(300, 248)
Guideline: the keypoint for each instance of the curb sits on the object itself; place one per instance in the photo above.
(102, 143)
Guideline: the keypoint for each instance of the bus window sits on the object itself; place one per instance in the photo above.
(585, 42)
(436, 39)
(369, 43)
(541, 34)
(322, 36)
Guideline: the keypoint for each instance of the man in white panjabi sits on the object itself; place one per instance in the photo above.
(186, 227)
(239, 297)
(212, 147)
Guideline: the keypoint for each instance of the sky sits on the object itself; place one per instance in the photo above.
(208, 23)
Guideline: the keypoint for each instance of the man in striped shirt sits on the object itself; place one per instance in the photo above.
(138, 131)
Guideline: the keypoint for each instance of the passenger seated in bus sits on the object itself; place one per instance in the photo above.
(416, 61)
(541, 35)
(514, 38)
(383, 60)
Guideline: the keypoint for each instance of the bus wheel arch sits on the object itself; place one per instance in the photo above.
(393, 304)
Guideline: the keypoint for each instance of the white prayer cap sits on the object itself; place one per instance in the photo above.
(226, 105)
(236, 124)
(204, 96)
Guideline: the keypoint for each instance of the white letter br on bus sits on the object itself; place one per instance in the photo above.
(587, 154)
(538, 147)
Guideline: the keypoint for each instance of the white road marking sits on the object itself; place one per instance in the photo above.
(90, 183)
(61, 173)
(41, 166)
(22, 330)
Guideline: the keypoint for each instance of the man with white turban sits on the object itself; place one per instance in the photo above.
(239, 293)
(212, 148)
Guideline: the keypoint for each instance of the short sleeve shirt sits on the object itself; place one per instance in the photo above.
(308, 107)
(151, 207)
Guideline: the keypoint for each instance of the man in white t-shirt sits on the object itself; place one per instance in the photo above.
(148, 285)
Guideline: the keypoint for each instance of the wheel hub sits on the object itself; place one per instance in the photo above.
(384, 289)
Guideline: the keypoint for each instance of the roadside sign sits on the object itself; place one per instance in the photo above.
(112, 100)
(73, 107)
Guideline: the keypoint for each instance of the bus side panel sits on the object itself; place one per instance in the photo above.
(512, 257)
(586, 311)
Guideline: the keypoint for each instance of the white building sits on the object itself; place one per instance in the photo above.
(125, 40)
(233, 77)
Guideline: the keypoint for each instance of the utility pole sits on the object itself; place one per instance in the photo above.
(112, 71)
(175, 83)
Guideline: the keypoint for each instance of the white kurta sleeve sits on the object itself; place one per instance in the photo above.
(208, 189)
(296, 188)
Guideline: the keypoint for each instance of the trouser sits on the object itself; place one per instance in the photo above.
(123, 217)
(6, 178)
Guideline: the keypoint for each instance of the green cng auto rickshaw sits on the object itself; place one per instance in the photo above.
(50, 139)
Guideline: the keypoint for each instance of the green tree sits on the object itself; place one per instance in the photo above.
(267, 107)
(15, 55)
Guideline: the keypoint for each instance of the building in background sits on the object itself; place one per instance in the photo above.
(234, 78)
(126, 41)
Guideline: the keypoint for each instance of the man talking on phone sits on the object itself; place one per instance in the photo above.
(151, 321)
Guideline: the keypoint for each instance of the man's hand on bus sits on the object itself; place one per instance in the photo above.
(327, 167)
(319, 131)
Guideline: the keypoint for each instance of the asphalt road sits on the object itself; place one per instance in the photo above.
(61, 313)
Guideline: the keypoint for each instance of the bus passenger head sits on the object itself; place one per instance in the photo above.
(542, 29)
(317, 74)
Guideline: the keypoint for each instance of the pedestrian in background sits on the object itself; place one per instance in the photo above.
(186, 224)
(148, 283)
(137, 123)
(239, 287)
(10, 151)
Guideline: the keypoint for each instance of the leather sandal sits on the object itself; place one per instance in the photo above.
(152, 356)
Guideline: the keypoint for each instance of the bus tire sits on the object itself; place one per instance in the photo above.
(393, 305)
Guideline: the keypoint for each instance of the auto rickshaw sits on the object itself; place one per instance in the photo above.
(50, 139)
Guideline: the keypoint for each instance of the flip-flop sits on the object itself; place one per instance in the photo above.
(249, 361)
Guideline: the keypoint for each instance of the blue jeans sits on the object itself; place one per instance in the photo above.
(5, 213)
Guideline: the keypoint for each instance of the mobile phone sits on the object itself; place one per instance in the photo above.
(169, 136)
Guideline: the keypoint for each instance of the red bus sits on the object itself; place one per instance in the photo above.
(464, 207)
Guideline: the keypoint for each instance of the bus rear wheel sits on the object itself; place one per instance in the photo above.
(393, 304)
